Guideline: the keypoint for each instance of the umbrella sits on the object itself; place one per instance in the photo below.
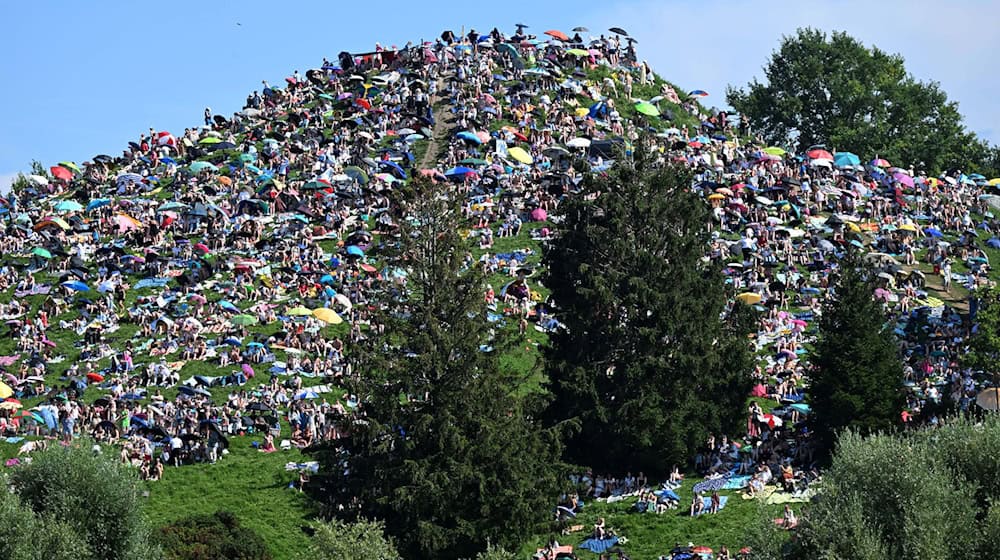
(343, 300)
(459, 171)
(819, 154)
(846, 159)
(327, 316)
(903, 178)
(933, 231)
(68, 206)
(199, 166)
(879, 162)
(97, 203)
(698, 93)
(578, 52)
(76, 285)
(300, 311)
(41, 252)
(539, 215)
(355, 251)
(126, 222)
(774, 151)
(10, 404)
(580, 30)
(989, 399)
(520, 155)
(749, 298)
(618, 31)
(61, 173)
(5, 391)
(243, 320)
(555, 34)
(647, 108)
(469, 137)
(579, 143)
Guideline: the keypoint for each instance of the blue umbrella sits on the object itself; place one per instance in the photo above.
(228, 306)
(468, 136)
(168, 161)
(933, 232)
(459, 171)
(846, 159)
(398, 171)
(97, 203)
(76, 285)
(354, 250)
(326, 279)
(232, 341)
(801, 407)
(994, 242)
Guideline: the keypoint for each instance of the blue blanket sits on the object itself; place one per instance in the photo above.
(151, 283)
(600, 546)
(736, 482)
(708, 502)
(668, 494)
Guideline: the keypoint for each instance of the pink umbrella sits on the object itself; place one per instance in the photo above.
(539, 215)
(882, 293)
(248, 370)
(903, 178)
(9, 360)
(201, 247)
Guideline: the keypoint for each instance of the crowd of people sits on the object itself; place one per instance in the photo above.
(193, 263)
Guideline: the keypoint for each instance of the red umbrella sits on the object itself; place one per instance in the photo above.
(61, 173)
(701, 550)
(364, 103)
(201, 247)
(367, 268)
(95, 377)
(819, 154)
(557, 35)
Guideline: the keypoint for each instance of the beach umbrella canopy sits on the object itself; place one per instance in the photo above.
(698, 93)
(300, 311)
(469, 137)
(10, 404)
(98, 203)
(5, 391)
(126, 223)
(647, 108)
(989, 399)
(327, 316)
(879, 162)
(520, 155)
(819, 154)
(774, 151)
(355, 251)
(579, 143)
(200, 166)
(243, 320)
(749, 298)
(61, 173)
(556, 34)
(618, 31)
(903, 178)
(41, 252)
(76, 286)
(846, 159)
(68, 206)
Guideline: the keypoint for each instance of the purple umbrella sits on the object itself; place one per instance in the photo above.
(903, 178)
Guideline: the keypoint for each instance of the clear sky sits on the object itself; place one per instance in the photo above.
(82, 78)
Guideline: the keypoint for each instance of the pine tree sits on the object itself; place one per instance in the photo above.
(858, 375)
(442, 451)
(647, 366)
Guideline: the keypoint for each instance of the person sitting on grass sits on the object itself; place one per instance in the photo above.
(716, 503)
(697, 505)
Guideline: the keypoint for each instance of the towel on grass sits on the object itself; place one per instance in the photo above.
(708, 502)
(668, 494)
(600, 546)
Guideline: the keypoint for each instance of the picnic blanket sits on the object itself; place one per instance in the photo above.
(778, 498)
(707, 502)
(36, 290)
(600, 546)
(668, 494)
(711, 485)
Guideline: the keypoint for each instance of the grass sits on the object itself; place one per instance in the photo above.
(651, 535)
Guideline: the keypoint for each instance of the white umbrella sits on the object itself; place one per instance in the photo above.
(579, 143)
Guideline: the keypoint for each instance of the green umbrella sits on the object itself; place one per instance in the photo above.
(775, 151)
(647, 108)
(210, 140)
(300, 311)
(327, 96)
(69, 165)
(578, 52)
(68, 206)
(243, 320)
(40, 252)
(356, 173)
(198, 166)
(247, 158)
(473, 161)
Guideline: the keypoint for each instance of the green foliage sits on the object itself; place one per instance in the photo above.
(218, 536)
(444, 453)
(984, 345)
(858, 375)
(835, 90)
(923, 494)
(97, 497)
(495, 553)
(25, 536)
(646, 367)
(361, 540)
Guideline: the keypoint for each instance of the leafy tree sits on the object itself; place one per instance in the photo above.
(217, 536)
(361, 540)
(25, 536)
(984, 346)
(96, 497)
(646, 366)
(442, 450)
(858, 374)
(495, 553)
(834, 90)
(917, 494)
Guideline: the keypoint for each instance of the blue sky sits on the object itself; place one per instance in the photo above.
(82, 78)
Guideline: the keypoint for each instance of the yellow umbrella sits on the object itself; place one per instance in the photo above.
(989, 399)
(520, 155)
(853, 227)
(5, 391)
(993, 182)
(327, 316)
(775, 151)
(716, 196)
(907, 227)
(749, 298)
(10, 405)
(582, 112)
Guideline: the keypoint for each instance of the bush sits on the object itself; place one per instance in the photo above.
(217, 536)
